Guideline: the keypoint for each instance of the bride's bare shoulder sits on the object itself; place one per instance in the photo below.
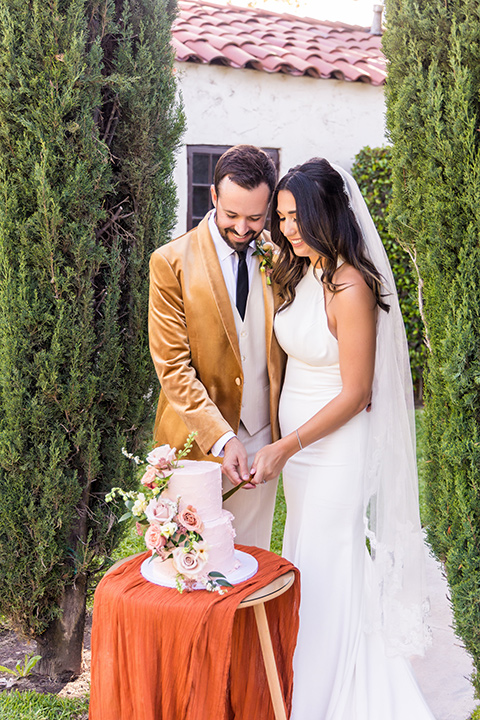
(351, 285)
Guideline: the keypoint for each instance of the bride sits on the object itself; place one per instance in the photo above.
(349, 475)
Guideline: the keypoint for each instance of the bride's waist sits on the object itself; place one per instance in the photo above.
(311, 380)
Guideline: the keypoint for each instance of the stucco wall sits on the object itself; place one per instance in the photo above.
(301, 116)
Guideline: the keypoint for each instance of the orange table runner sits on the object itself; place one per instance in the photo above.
(161, 655)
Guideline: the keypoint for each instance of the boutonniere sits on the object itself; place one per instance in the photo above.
(265, 250)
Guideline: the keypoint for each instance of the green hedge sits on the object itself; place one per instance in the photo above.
(372, 171)
(433, 115)
(89, 122)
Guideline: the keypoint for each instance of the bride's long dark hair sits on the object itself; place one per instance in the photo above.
(327, 224)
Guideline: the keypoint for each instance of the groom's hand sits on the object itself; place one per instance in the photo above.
(235, 462)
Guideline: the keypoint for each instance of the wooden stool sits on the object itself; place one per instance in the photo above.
(257, 600)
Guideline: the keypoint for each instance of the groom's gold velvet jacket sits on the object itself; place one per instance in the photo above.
(194, 345)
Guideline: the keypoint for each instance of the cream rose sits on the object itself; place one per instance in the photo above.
(188, 563)
(140, 505)
(190, 519)
(160, 510)
(154, 540)
(162, 457)
(168, 529)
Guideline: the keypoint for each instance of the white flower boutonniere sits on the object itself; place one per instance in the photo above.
(266, 251)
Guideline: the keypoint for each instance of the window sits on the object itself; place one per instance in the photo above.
(201, 161)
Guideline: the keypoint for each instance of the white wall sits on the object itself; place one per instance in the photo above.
(301, 116)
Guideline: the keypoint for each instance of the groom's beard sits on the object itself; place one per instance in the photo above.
(231, 238)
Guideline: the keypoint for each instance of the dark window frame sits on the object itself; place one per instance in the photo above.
(210, 151)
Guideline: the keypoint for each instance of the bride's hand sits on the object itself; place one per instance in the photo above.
(268, 463)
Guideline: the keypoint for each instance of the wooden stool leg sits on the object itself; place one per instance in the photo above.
(269, 660)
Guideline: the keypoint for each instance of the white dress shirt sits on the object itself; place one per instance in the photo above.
(229, 263)
(229, 259)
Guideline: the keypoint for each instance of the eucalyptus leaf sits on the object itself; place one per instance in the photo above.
(223, 582)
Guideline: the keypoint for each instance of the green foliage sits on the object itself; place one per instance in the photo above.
(433, 111)
(422, 462)
(88, 126)
(22, 669)
(373, 172)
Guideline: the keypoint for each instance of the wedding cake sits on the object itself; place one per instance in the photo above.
(179, 512)
(197, 487)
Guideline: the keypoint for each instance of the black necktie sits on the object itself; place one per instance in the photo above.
(242, 282)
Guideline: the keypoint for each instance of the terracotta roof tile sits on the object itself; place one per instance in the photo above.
(258, 39)
(259, 51)
(208, 53)
(240, 58)
(183, 53)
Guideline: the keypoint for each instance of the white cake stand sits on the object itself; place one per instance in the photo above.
(247, 567)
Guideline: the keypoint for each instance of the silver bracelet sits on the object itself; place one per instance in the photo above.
(298, 438)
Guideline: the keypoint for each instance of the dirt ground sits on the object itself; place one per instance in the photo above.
(14, 648)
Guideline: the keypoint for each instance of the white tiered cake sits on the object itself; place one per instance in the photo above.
(198, 484)
(190, 536)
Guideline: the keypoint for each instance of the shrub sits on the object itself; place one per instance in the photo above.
(88, 126)
(433, 111)
(373, 172)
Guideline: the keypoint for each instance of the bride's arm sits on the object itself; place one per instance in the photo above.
(352, 319)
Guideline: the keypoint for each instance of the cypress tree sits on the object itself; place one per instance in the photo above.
(372, 171)
(89, 122)
(433, 113)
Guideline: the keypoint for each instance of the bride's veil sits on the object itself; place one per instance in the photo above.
(391, 491)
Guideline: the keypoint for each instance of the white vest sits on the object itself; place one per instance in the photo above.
(255, 413)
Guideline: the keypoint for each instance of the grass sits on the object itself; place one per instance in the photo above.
(33, 706)
(278, 520)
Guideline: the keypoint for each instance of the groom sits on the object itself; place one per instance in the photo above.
(211, 337)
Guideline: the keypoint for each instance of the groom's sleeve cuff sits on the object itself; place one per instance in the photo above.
(217, 448)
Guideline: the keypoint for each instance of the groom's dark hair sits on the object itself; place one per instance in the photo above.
(247, 166)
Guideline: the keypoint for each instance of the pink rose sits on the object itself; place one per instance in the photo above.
(153, 538)
(159, 510)
(190, 520)
(150, 477)
(163, 553)
(190, 564)
(162, 457)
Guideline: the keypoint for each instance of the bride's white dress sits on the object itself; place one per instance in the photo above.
(341, 672)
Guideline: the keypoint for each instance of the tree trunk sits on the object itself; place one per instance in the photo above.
(61, 645)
